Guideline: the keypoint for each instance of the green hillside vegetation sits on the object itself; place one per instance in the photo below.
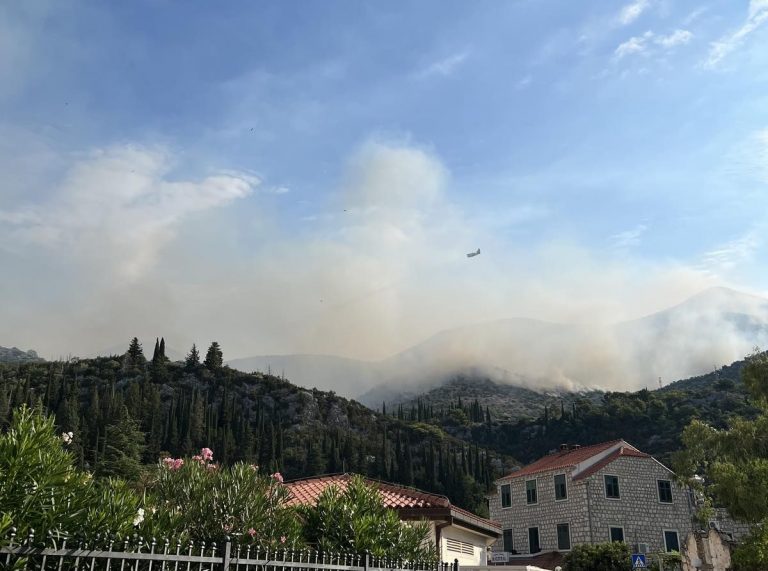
(125, 412)
(504, 402)
(651, 420)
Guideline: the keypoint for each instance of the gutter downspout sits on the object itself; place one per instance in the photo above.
(589, 512)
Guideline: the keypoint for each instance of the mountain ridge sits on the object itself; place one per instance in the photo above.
(711, 328)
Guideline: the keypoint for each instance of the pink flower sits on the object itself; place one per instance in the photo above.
(207, 454)
(198, 459)
(173, 463)
(278, 476)
(252, 532)
(283, 539)
(211, 466)
(254, 467)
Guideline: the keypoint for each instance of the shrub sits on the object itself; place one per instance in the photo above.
(614, 556)
(355, 520)
(41, 490)
(199, 500)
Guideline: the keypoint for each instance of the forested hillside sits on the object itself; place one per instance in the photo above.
(651, 420)
(504, 402)
(127, 410)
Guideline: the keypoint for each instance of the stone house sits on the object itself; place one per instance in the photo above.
(592, 494)
(456, 533)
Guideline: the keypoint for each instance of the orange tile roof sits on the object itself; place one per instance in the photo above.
(562, 459)
(623, 451)
(307, 491)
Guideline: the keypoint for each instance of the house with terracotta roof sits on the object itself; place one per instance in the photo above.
(457, 533)
(591, 494)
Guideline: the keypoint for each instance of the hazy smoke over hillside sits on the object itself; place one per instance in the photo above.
(119, 248)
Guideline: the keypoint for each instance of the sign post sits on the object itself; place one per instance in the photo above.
(638, 561)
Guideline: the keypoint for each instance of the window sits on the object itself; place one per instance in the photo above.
(509, 545)
(616, 533)
(561, 489)
(530, 492)
(563, 536)
(612, 487)
(506, 496)
(533, 540)
(671, 541)
(665, 491)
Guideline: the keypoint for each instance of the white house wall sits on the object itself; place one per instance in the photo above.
(479, 545)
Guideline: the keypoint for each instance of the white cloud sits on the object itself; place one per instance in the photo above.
(633, 11)
(676, 38)
(719, 50)
(634, 45)
(445, 67)
(646, 43)
(118, 206)
(695, 15)
(628, 238)
(731, 254)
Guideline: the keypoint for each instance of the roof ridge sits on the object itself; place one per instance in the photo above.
(567, 458)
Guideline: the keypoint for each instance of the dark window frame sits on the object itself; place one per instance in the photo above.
(559, 528)
(610, 533)
(564, 486)
(506, 496)
(614, 484)
(509, 547)
(677, 539)
(531, 494)
(538, 540)
(668, 490)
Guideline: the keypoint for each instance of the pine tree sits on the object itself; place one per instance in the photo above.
(162, 349)
(135, 351)
(193, 358)
(156, 352)
(123, 448)
(214, 358)
(134, 359)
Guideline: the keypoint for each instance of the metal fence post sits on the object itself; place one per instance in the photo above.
(227, 555)
(366, 560)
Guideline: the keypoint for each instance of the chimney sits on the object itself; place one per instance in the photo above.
(563, 448)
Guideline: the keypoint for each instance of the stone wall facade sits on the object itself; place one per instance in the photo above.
(588, 512)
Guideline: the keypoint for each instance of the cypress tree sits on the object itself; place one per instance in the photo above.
(156, 352)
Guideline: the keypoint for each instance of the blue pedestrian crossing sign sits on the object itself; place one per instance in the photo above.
(638, 561)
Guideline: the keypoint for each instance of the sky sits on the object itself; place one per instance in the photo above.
(307, 177)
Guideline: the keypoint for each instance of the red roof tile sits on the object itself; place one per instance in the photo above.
(307, 491)
(562, 459)
(623, 451)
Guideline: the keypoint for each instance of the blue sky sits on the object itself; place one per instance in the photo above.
(220, 170)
